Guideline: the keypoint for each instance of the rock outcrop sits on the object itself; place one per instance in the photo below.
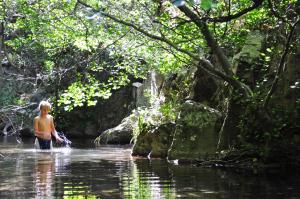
(196, 133)
(193, 137)
(121, 134)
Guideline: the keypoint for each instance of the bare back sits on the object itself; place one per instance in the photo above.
(43, 126)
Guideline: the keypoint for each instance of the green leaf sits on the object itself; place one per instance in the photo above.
(206, 4)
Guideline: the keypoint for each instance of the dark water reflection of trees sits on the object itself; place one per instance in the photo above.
(110, 172)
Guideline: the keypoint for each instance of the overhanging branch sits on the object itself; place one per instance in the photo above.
(210, 40)
(204, 64)
(256, 4)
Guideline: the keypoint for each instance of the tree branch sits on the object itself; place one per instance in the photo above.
(256, 4)
(280, 65)
(211, 42)
(204, 64)
(274, 12)
(226, 25)
(1, 47)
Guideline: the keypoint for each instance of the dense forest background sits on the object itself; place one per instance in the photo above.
(225, 68)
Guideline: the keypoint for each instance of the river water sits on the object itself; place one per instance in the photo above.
(87, 171)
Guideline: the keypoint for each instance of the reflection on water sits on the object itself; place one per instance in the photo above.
(44, 169)
(110, 172)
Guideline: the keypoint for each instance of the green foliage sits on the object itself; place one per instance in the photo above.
(58, 26)
(206, 4)
(151, 117)
(8, 94)
(48, 65)
(142, 126)
(196, 119)
(266, 133)
(78, 94)
(2, 11)
(169, 111)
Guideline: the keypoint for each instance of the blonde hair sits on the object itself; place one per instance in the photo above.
(44, 104)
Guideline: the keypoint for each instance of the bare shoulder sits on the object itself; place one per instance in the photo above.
(37, 118)
(50, 117)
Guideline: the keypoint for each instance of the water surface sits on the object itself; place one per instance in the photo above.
(86, 171)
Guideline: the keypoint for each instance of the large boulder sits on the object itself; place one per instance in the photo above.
(154, 141)
(142, 145)
(196, 133)
(121, 134)
(161, 140)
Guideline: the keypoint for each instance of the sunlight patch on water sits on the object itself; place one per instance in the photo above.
(208, 191)
(106, 153)
(64, 150)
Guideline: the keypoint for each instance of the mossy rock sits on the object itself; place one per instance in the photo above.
(142, 146)
(161, 140)
(154, 142)
(121, 134)
(196, 133)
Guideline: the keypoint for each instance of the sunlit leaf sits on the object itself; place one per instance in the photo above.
(206, 4)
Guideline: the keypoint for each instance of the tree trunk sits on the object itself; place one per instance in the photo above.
(1, 52)
(230, 130)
